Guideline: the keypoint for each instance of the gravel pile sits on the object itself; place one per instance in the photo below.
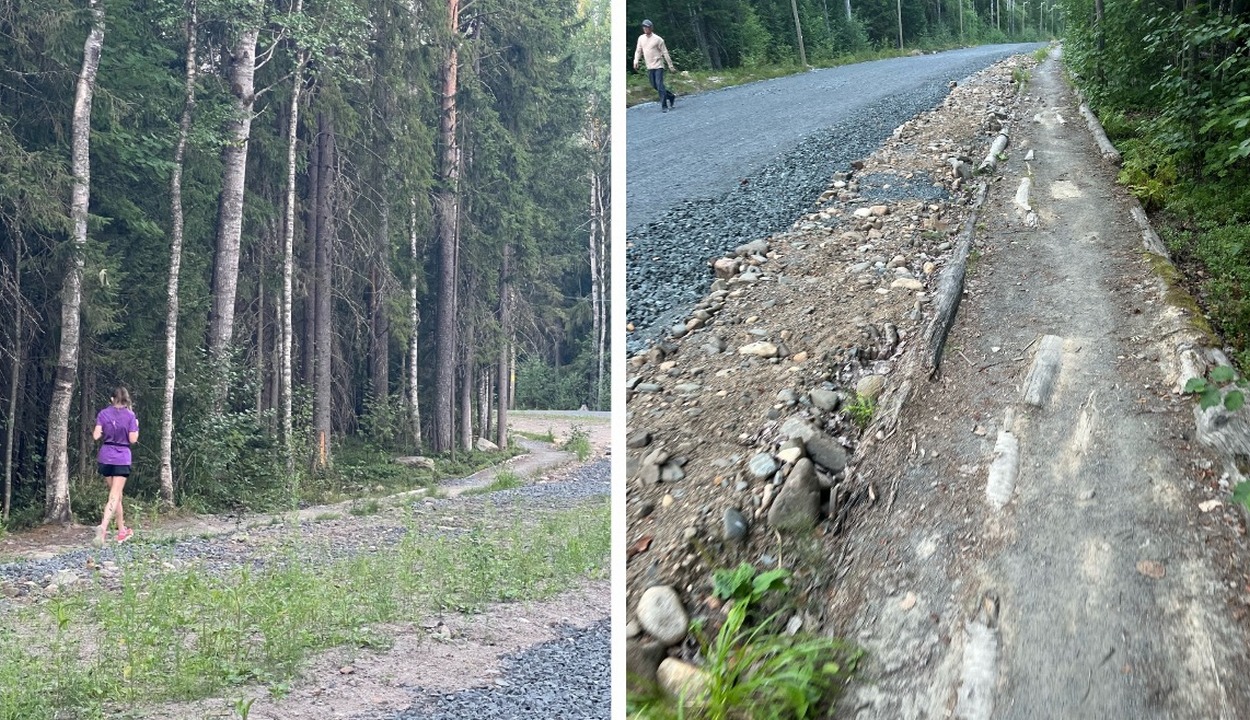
(565, 678)
(668, 257)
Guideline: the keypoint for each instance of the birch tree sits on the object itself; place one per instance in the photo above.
(57, 501)
(175, 264)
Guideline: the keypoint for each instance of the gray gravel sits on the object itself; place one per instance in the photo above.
(322, 541)
(739, 164)
(565, 678)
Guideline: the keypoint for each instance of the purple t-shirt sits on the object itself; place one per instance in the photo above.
(117, 424)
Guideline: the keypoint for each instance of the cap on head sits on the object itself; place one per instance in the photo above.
(646, 23)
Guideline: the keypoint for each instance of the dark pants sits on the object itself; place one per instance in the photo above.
(657, 82)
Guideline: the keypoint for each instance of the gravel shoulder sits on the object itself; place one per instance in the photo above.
(728, 167)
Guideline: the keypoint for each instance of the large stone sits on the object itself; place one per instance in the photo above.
(734, 525)
(672, 472)
(725, 267)
(755, 247)
(759, 349)
(662, 615)
(762, 466)
(826, 400)
(797, 506)
(485, 445)
(684, 681)
(907, 283)
(870, 386)
(642, 662)
(827, 453)
(797, 427)
(640, 439)
(416, 461)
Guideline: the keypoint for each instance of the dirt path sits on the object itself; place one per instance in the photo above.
(48, 541)
(1049, 559)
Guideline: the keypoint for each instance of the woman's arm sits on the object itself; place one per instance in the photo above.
(134, 437)
(99, 431)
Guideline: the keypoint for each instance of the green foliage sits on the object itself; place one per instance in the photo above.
(861, 410)
(504, 480)
(1221, 386)
(752, 669)
(579, 443)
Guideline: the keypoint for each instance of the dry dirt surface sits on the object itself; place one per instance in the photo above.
(1013, 543)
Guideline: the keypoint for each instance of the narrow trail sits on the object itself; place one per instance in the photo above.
(1046, 557)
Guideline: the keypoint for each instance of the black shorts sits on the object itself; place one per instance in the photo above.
(114, 470)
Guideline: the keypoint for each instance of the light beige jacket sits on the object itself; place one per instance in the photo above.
(652, 49)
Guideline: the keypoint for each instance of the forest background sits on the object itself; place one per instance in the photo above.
(307, 236)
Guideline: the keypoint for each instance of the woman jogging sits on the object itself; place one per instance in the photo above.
(118, 427)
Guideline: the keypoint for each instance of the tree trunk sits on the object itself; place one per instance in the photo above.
(466, 396)
(379, 323)
(848, 10)
(175, 265)
(483, 404)
(899, 5)
(14, 375)
(446, 211)
(323, 351)
(56, 454)
(86, 420)
(230, 206)
(505, 290)
(414, 324)
(288, 260)
(798, 32)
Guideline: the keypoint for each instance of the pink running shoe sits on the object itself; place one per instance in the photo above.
(124, 534)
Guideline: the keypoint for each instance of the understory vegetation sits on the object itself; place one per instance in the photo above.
(754, 667)
(1172, 88)
(185, 634)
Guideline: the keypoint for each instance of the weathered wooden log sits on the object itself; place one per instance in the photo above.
(1108, 150)
(990, 163)
(951, 287)
(1149, 238)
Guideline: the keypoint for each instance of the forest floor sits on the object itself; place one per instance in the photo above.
(1073, 555)
(320, 613)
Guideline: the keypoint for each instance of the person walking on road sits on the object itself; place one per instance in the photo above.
(118, 427)
(651, 49)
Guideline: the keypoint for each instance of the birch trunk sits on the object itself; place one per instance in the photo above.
(230, 205)
(798, 31)
(56, 503)
(288, 260)
(446, 212)
(414, 324)
(175, 265)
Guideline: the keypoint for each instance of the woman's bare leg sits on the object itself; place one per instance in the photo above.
(115, 499)
(108, 511)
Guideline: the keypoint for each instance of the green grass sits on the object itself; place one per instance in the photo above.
(370, 506)
(1041, 54)
(579, 443)
(185, 634)
(753, 669)
(504, 480)
(861, 410)
(548, 437)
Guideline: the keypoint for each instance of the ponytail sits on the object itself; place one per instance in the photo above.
(121, 396)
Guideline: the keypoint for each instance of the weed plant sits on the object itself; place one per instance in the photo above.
(579, 443)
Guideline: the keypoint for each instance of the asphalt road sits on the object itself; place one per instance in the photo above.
(710, 141)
